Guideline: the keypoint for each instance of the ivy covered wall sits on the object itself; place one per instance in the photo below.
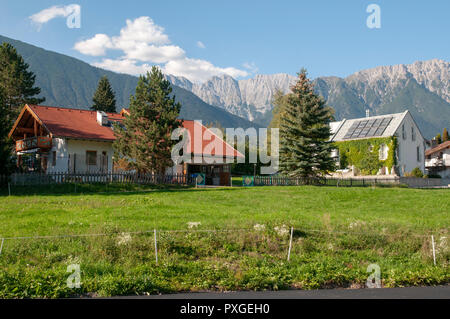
(364, 154)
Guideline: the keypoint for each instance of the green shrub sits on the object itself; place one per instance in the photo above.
(416, 172)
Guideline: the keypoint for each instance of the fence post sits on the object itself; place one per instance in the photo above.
(434, 250)
(9, 189)
(1, 246)
(156, 248)
(290, 244)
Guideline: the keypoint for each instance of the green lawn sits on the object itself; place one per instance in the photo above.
(338, 233)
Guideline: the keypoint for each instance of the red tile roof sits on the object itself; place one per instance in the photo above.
(209, 143)
(82, 124)
(74, 123)
(438, 148)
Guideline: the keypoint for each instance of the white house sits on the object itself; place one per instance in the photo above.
(437, 160)
(410, 148)
(53, 139)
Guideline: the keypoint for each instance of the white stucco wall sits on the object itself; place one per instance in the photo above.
(65, 147)
(407, 148)
(59, 145)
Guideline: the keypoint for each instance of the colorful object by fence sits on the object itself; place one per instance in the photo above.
(200, 178)
(248, 181)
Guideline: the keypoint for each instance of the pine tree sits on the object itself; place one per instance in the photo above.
(444, 135)
(5, 142)
(304, 133)
(145, 139)
(104, 98)
(16, 82)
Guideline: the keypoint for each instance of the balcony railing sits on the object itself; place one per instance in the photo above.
(42, 142)
(434, 162)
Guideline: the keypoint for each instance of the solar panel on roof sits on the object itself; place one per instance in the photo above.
(368, 128)
(362, 124)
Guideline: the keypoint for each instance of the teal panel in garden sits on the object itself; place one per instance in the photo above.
(200, 178)
(247, 181)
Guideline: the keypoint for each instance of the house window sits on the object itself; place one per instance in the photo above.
(91, 158)
(418, 153)
(413, 134)
(54, 158)
(383, 155)
(398, 153)
(403, 132)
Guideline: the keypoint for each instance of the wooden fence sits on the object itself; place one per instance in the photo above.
(349, 182)
(24, 179)
(346, 182)
(295, 181)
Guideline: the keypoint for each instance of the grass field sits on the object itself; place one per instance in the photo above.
(338, 233)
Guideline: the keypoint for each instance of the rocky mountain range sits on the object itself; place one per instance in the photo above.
(250, 98)
(423, 87)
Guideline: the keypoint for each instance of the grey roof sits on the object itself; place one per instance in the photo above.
(366, 127)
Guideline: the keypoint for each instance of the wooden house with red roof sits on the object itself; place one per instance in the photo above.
(437, 160)
(55, 139)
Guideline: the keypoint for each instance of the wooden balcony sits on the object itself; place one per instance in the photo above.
(42, 142)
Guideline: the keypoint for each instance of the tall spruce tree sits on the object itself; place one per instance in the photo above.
(145, 138)
(304, 133)
(16, 82)
(104, 98)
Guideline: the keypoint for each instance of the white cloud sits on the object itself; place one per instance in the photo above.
(157, 54)
(201, 45)
(95, 46)
(251, 66)
(48, 14)
(199, 70)
(140, 30)
(123, 66)
(142, 41)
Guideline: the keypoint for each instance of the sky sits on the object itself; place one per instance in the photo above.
(198, 39)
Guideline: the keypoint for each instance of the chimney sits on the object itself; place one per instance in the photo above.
(434, 142)
(102, 118)
(367, 112)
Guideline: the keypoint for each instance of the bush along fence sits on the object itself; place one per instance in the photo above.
(259, 257)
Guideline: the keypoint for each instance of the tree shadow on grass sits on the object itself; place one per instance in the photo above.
(103, 189)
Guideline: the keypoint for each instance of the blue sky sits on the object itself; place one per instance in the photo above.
(240, 38)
